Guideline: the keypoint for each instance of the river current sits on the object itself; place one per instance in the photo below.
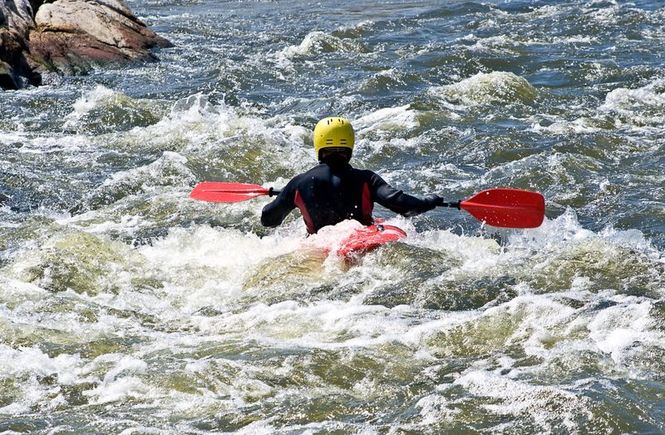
(126, 307)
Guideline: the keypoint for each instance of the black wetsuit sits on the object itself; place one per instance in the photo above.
(328, 194)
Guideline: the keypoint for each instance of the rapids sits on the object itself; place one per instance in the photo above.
(126, 307)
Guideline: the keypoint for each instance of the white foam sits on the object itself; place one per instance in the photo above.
(547, 11)
(14, 362)
(168, 170)
(435, 408)
(557, 234)
(195, 125)
(615, 329)
(51, 144)
(385, 129)
(487, 88)
(216, 261)
(638, 107)
(387, 119)
(261, 427)
(476, 252)
(620, 99)
(13, 291)
(501, 44)
(90, 100)
(316, 41)
(120, 389)
(360, 26)
(27, 365)
(564, 127)
(631, 238)
(606, 14)
(552, 233)
(127, 364)
(517, 398)
(313, 43)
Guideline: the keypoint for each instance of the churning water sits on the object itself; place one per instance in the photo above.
(127, 307)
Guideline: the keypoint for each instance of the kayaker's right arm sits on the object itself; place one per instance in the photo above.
(274, 213)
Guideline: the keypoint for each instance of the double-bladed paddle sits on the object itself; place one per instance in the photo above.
(501, 207)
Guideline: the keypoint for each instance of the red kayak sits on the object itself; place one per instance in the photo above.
(369, 238)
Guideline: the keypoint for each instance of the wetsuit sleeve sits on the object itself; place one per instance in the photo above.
(398, 201)
(274, 213)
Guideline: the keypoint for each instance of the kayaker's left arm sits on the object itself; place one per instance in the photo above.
(400, 202)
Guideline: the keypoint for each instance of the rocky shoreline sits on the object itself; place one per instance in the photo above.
(69, 37)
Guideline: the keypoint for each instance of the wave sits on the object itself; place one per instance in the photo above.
(168, 170)
(388, 119)
(641, 107)
(487, 88)
(102, 110)
(386, 81)
(315, 44)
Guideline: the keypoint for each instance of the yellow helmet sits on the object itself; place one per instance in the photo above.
(333, 132)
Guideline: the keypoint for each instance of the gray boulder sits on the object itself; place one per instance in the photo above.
(69, 36)
(72, 36)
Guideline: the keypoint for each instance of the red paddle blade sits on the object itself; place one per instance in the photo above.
(217, 191)
(507, 208)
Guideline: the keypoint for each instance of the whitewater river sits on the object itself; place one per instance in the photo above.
(127, 307)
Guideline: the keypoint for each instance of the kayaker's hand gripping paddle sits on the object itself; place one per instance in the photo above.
(502, 207)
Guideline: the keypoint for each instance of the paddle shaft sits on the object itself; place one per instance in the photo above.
(451, 204)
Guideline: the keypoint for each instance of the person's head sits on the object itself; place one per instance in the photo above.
(333, 139)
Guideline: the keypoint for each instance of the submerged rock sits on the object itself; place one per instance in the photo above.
(69, 36)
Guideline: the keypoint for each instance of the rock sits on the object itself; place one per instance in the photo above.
(7, 78)
(72, 36)
(69, 36)
(15, 24)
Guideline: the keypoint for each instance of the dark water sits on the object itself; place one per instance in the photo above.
(125, 306)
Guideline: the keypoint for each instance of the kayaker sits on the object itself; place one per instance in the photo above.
(334, 191)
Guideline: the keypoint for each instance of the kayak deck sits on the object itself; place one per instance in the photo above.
(369, 238)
